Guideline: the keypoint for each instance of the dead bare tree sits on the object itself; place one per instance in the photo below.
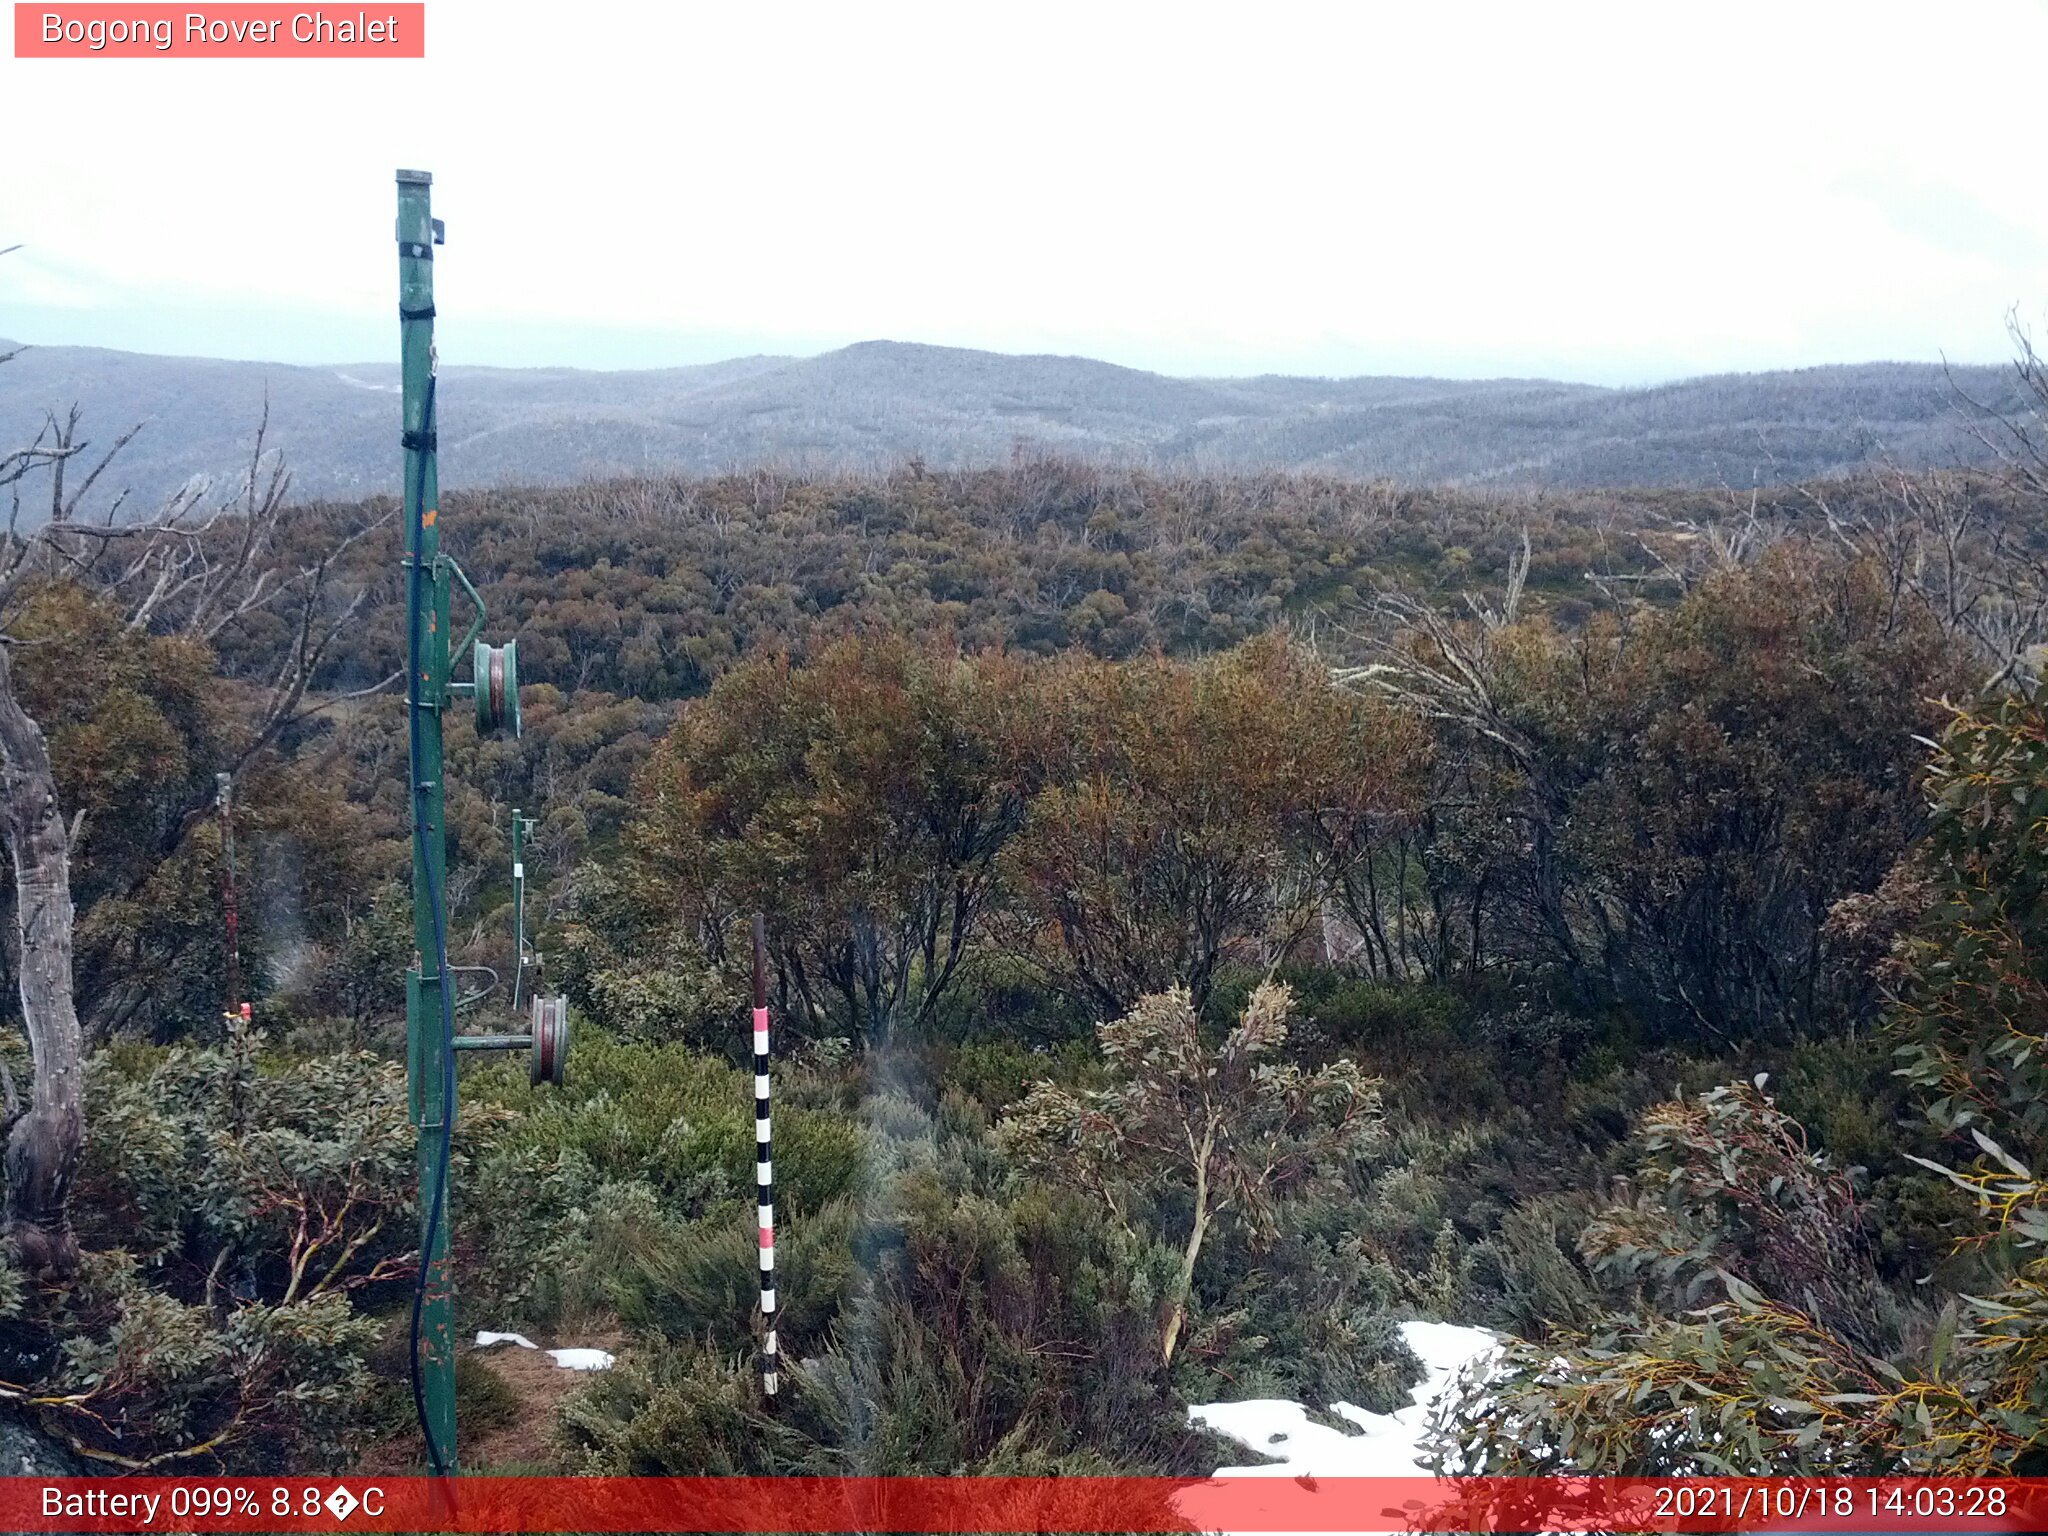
(185, 569)
(1941, 548)
(1973, 571)
(2017, 439)
(1446, 667)
(1441, 666)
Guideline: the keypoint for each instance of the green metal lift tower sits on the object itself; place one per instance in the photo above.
(430, 1000)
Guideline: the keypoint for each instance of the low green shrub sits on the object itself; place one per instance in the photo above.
(677, 1410)
(484, 1400)
(592, 1197)
(1310, 1318)
(941, 1320)
(235, 1209)
(1526, 1279)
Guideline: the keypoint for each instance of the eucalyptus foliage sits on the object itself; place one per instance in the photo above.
(1228, 1129)
(1754, 1335)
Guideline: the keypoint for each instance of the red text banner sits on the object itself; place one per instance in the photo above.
(1036, 1504)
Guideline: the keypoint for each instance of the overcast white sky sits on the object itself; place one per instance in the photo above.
(1614, 194)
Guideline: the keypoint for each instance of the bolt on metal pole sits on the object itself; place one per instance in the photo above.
(427, 1053)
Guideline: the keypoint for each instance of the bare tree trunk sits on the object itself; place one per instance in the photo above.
(1184, 1283)
(43, 1145)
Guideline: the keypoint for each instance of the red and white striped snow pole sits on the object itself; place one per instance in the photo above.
(764, 1166)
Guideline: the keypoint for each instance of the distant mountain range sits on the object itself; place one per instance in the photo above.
(878, 403)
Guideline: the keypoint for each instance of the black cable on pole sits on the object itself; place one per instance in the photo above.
(437, 1456)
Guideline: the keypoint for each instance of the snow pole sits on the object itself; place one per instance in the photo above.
(764, 1167)
(224, 802)
(522, 828)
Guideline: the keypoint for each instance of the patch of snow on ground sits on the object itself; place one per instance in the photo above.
(567, 1359)
(486, 1340)
(1390, 1443)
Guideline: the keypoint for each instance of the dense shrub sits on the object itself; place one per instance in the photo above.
(1185, 810)
(1752, 1336)
(1228, 1132)
(1663, 808)
(1758, 1334)
(862, 799)
(645, 1146)
(236, 1209)
(941, 1322)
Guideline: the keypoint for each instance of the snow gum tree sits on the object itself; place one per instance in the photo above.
(862, 799)
(1184, 810)
(1210, 1134)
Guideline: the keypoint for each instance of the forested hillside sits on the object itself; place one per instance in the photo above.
(1547, 881)
(869, 407)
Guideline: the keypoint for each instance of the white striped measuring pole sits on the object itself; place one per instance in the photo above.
(764, 1166)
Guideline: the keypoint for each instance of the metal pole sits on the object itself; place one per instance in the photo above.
(764, 1166)
(427, 1050)
(224, 801)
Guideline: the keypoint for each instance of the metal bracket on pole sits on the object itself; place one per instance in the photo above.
(476, 623)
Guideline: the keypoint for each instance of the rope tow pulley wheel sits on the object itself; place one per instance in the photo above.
(497, 687)
(550, 1058)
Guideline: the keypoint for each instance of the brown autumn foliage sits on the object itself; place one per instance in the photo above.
(863, 799)
(1114, 826)
(1188, 807)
